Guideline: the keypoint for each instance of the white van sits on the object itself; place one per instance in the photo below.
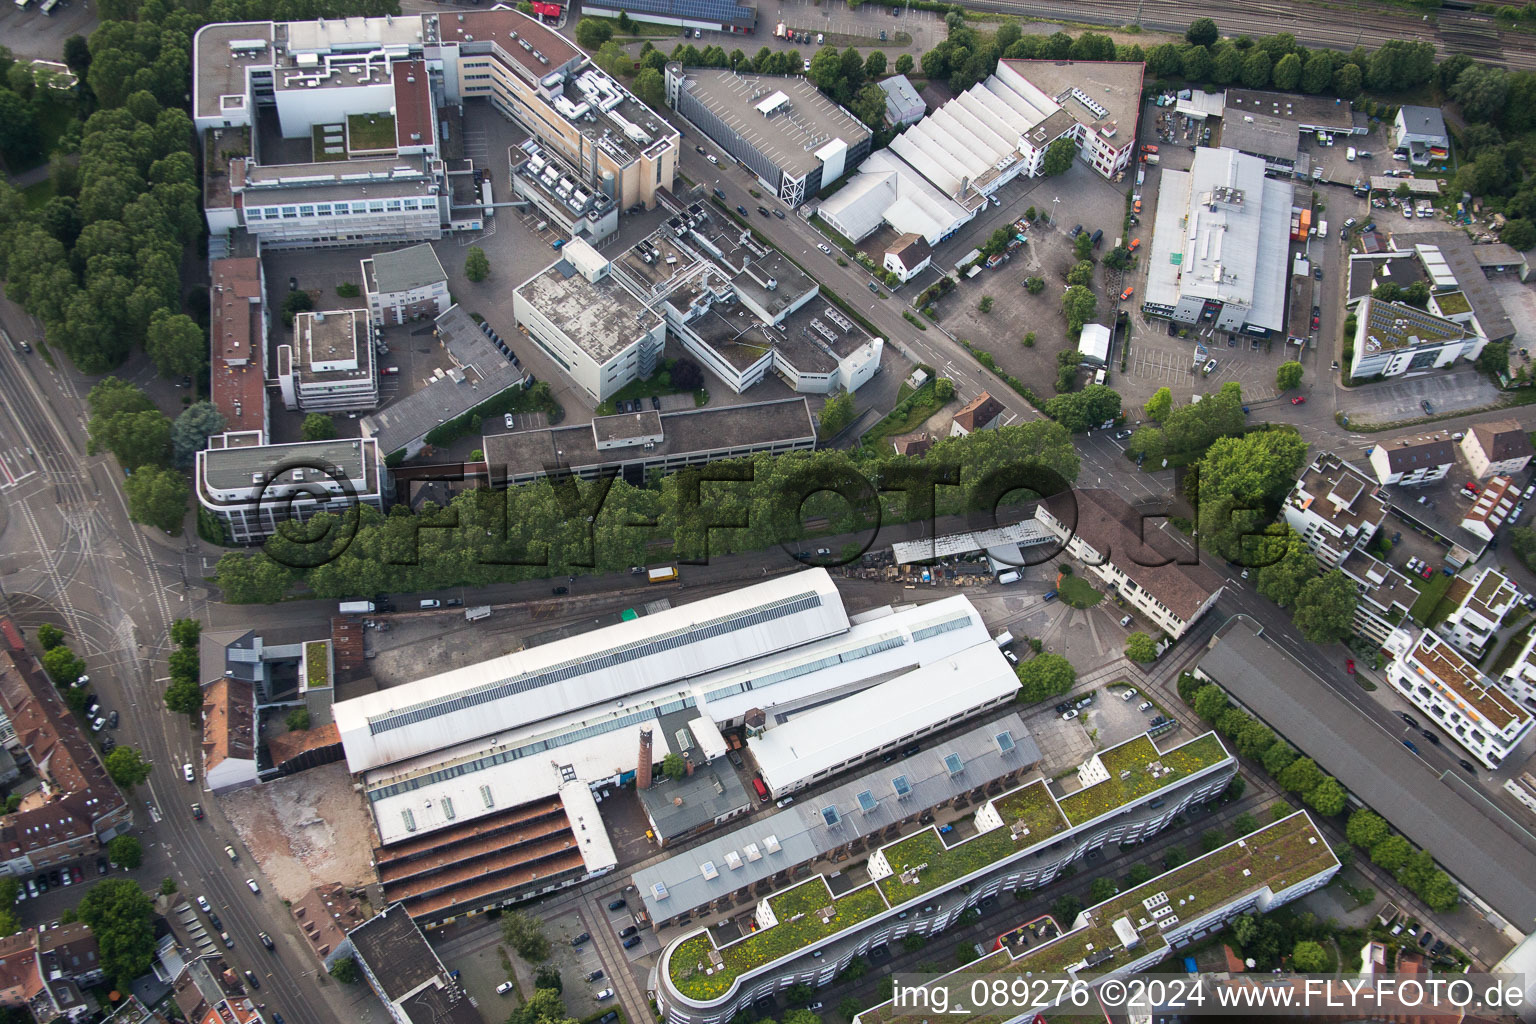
(1349, 154)
(430, 603)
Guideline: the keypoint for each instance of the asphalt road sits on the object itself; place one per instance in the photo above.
(70, 556)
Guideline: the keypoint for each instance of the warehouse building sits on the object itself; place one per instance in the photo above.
(733, 16)
(781, 127)
(253, 487)
(920, 884)
(936, 176)
(1221, 246)
(837, 737)
(639, 443)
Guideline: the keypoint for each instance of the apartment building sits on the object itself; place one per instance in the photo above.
(1334, 509)
(1151, 571)
(1501, 448)
(1519, 678)
(1413, 461)
(1489, 597)
(405, 285)
(209, 989)
(600, 333)
(1385, 595)
(1468, 706)
(81, 809)
(1135, 930)
(229, 735)
(330, 365)
(45, 970)
(920, 885)
(1492, 508)
(251, 487)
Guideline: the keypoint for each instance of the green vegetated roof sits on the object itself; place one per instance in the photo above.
(799, 925)
(935, 865)
(1134, 759)
(1276, 856)
(317, 665)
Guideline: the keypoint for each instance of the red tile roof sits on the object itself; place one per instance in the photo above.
(237, 361)
(227, 722)
(413, 104)
(983, 409)
(289, 745)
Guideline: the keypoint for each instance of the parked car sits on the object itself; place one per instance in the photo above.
(1145, 705)
(186, 771)
(252, 979)
(1126, 294)
(945, 830)
(1317, 273)
(251, 884)
(229, 943)
(1429, 410)
(1413, 723)
(1130, 691)
(1467, 766)
(266, 940)
(230, 851)
(1069, 715)
(1349, 666)
(594, 975)
(1430, 736)
(581, 939)
(112, 720)
(742, 210)
(735, 758)
(625, 933)
(505, 987)
(1299, 400)
(606, 993)
(632, 942)
(202, 904)
(764, 211)
(824, 248)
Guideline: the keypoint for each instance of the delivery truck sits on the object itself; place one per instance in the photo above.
(662, 575)
(356, 607)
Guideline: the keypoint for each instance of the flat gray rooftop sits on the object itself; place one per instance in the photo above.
(1465, 838)
(1461, 256)
(1114, 85)
(790, 136)
(1310, 111)
(1261, 135)
(407, 269)
(527, 452)
(601, 316)
(230, 469)
(217, 70)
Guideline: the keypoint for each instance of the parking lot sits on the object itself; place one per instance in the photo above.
(1391, 401)
(31, 33)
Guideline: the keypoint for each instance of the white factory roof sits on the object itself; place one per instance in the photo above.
(599, 667)
(587, 826)
(833, 734)
(1015, 535)
(887, 189)
(1093, 343)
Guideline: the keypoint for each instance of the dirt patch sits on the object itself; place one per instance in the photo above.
(305, 830)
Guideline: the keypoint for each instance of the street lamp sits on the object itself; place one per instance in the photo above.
(1054, 201)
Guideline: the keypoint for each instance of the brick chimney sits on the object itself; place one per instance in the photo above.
(643, 768)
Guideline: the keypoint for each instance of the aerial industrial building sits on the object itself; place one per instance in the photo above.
(936, 176)
(527, 737)
(330, 365)
(741, 308)
(1221, 245)
(361, 96)
(782, 127)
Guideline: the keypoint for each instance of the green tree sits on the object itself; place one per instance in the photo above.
(1278, 758)
(1082, 410)
(121, 918)
(848, 1007)
(1327, 797)
(1253, 740)
(1065, 909)
(904, 64)
(673, 766)
(168, 886)
(874, 65)
(1140, 647)
(298, 719)
(985, 305)
(1481, 89)
(1210, 702)
(1282, 579)
(1082, 247)
(592, 33)
(192, 429)
(1288, 375)
(650, 88)
(1202, 32)
(62, 665)
(1159, 405)
(1519, 233)
(1034, 285)
(1081, 272)
(836, 414)
(1138, 874)
(525, 935)
(1347, 81)
(49, 636)
(1256, 68)
(126, 851)
(157, 497)
(1227, 65)
(1302, 776)
(1102, 889)
(1391, 853)
(1043, 676)
(1241, 482)
(317, 426)
(547, 976)
(476, 266)
(1058, 157)
(944, 389)
(1494, 358)
(1366, 828)
(344, 970)
(1079, 306)
(1325, 608)
(913, 943)
(1212, 839)
(125, 423)
(126, 766)
(1243, 824)
(175, 342)
(183, 697)
(1287, 73)
(1317, 73)
(1439, 893)
(185, 632)
(1308, 957)
(295, 303)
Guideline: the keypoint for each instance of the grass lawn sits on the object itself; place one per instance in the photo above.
(317, 136)
(370, 131)
(36, 196)
(1429, 597)
(1078, 592)
(909, 413)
